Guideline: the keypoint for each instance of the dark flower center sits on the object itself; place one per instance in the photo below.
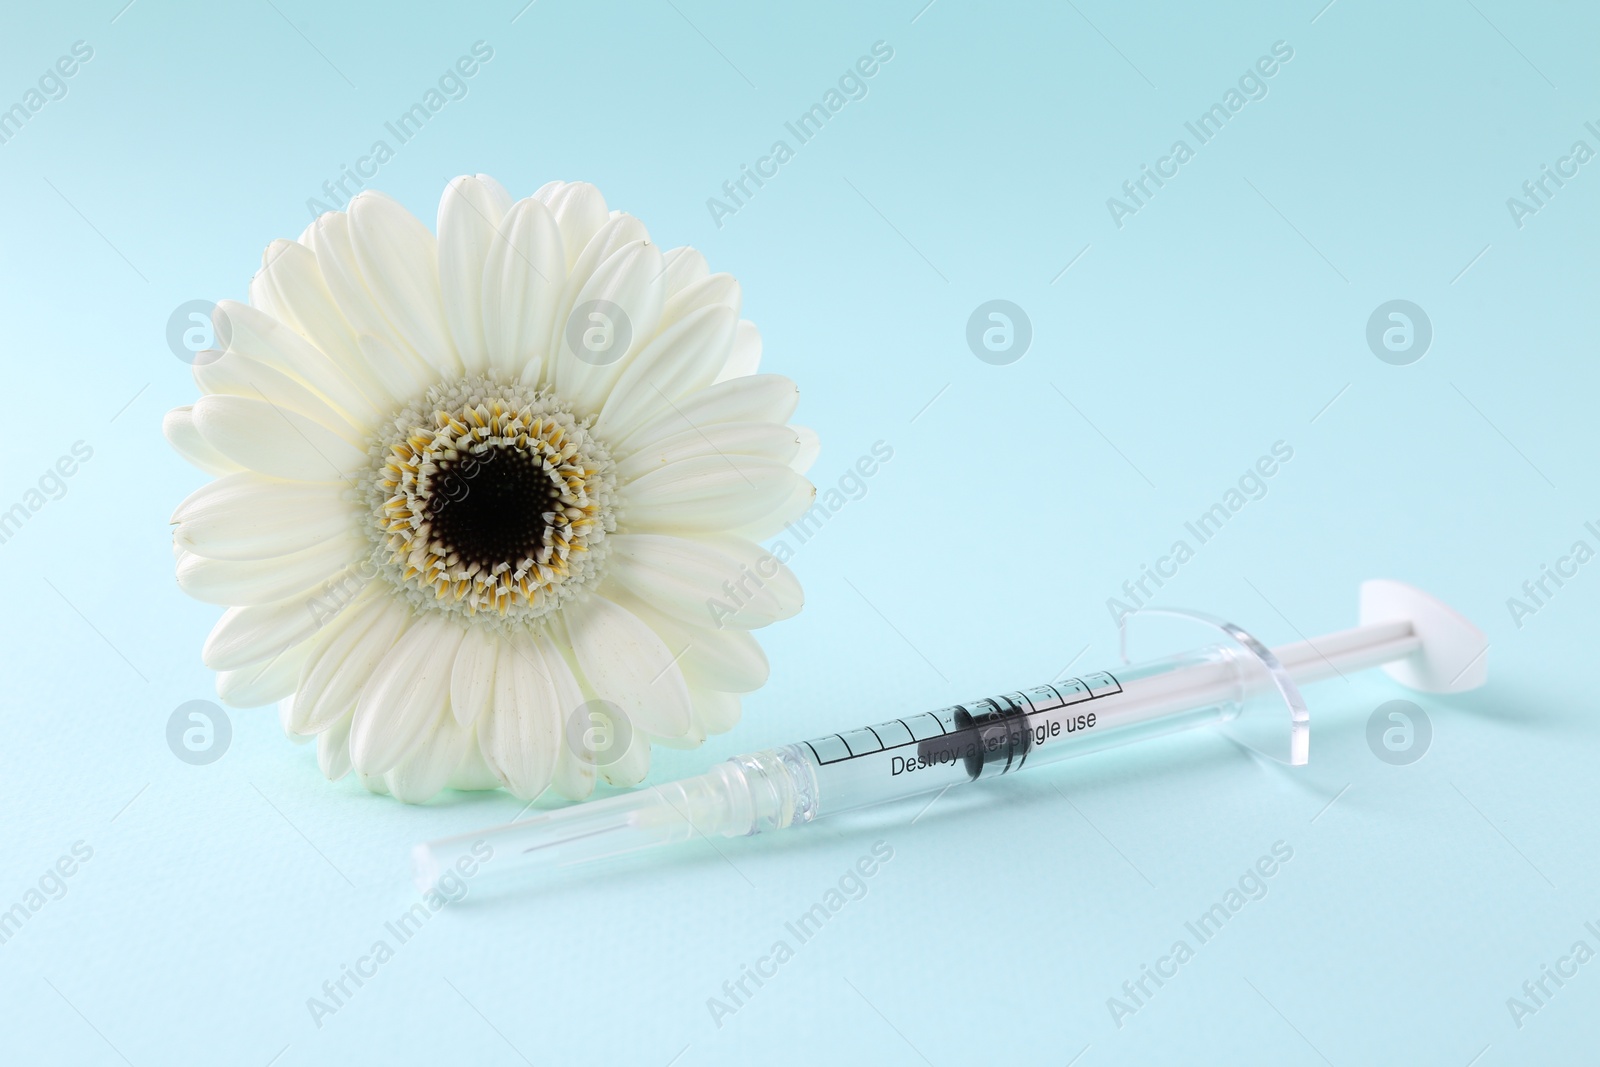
(490, 508)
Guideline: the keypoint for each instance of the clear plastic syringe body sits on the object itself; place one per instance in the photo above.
(1002, 734)
(901, 757)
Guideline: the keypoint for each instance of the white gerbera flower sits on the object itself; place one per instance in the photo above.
(483, 497)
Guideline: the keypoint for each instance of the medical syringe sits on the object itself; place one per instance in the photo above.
(1236, 684)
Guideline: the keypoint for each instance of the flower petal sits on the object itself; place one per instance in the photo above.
(727, 660)
(472, 677)
(405, 696)
(248, 635)
(473, 772)
(245, 516)
(626, 663)
(521, 280)
(683, 359)
(345, 657)
(405, 375)
(521, 735)
(761, 440)
(262, 581)
(630, 279)
(629, 770)
(330, 240)
(796, 510)
(579, 210)
(746, 355)
(333, 748)
(709, 583)
(717, 713)
(399, 259)
(235, 374)
(707, 493)
(716, 290)
(290, 288)
(178, 427)
(618, 232)
(810, 448)
(422, 774)
(470, 212)
(755, 398)
(284, 444)
(265, 682)
(285, 713)
(694, 738)
(574, 776)
(261, 339)
(681, 267)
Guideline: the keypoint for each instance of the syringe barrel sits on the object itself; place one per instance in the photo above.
(776, 788)
(997, 735)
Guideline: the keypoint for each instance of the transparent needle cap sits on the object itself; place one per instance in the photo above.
(744, 795)
(1269, 716)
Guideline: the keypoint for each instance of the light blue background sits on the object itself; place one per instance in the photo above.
(1223, 317)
